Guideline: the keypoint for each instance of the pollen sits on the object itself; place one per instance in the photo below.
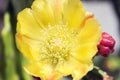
(57, 42)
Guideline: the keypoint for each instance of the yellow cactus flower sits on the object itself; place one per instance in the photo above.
(59, 38)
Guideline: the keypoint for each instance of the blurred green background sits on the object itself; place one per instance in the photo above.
(11, 61)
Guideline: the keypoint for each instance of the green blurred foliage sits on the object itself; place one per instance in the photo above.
(9, 52)
(11, 64)
(12, 67)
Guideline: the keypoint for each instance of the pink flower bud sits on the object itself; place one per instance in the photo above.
(106, 46)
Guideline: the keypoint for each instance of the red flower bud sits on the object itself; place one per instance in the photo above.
(106, 45)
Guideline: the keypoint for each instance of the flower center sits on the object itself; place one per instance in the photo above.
(56, 44)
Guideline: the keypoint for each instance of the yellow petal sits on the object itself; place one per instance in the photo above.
(43, 12)
(34, 69)
(27, 24)
(48, 11)
(44, 71)
(64, 68)
(85, 52)
(90, 31)
(74, 13)
(88, 37)
(79, 69)
(69, 12)
(23, 47)
(28, 46)
(74, 67)
(54, 76)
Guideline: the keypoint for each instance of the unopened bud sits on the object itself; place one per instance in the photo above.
(106, 46)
